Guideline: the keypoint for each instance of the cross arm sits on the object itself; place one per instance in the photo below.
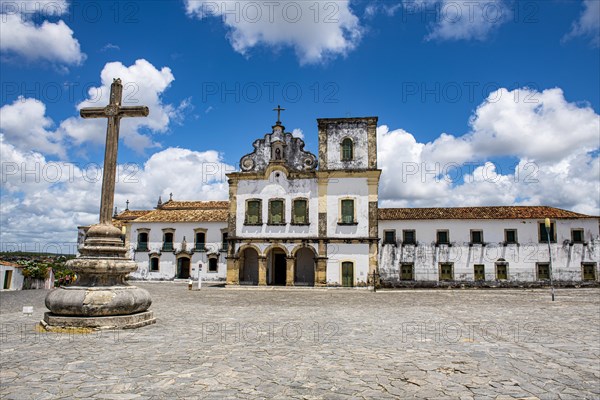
(134, 111)
(92, 112)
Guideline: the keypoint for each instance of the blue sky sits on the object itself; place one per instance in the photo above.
(447, 79)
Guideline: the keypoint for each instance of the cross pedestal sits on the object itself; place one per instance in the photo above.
(100, 298)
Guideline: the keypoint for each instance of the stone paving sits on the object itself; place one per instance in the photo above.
(315, 344)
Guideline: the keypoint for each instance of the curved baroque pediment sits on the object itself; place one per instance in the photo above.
(278, 147)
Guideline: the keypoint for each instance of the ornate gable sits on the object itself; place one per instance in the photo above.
(278, 147)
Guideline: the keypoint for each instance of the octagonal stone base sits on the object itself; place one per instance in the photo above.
(102, 301)
(60, 323)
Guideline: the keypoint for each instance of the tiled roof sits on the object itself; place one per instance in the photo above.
(186, 215)
(178, 211)
(194, 205)
(10, 264)
(501, 212)
(128, 215)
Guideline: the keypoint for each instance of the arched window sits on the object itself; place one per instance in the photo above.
(300, 212)
(212, 265)
(154, 264)
(501, 269)
(276, 212)
(200, 241)
(347, 150)
(142, 242)
(168, 242)
(253, 212)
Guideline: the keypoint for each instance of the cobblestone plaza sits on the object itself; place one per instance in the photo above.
(315, 343)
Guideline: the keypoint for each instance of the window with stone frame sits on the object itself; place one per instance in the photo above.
(347, 149)
(224, 242)
(213, 264)
(200, 244)
(409, 236)
(253, 212)
(479, 272)
(276, 212)
(167, 241)
(501, 270)
(446, 272)
(142, 241)
(543, 271)
(300, 212)
(154, 264)
(510, 236)
(347, 211)
(476, 236)
(543, 236)
(389, 236)
(407, 272)
(588, 271)
(576, 235)
(443, 237)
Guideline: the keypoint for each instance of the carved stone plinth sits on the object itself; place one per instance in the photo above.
(100, 298)
(61, 323)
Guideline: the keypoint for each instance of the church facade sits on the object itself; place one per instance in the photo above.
(297, 219)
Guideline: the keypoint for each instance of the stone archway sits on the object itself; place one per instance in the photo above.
(248, 266)
(276, 267)
(304, 271)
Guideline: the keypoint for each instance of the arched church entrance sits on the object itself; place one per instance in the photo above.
(276, 272)
(249, 267)
(305, 267)
(183, 267)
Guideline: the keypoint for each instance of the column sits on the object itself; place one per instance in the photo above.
(233, 271)
(262, 270)
(289, 271)
(321, 272)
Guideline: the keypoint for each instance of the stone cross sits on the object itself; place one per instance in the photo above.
(279, 110)
(113, 112)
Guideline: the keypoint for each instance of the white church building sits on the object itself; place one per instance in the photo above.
(295, 219)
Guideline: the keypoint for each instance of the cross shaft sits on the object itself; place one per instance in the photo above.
(113, 112)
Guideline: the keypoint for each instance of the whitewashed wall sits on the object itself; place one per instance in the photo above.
(336, 134)
(168, 260)
(16, 280)
(522, 259)
(277, 187)
(353, 188)
(338, 253)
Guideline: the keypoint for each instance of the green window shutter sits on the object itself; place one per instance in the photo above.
(300, 216)
(276, 212)
(347, 211)
(253, 216)
(347, 150)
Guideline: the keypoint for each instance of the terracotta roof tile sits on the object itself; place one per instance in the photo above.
(11, 264)
(501, 212)
(186, 215)
(194, 205)
(128, 215)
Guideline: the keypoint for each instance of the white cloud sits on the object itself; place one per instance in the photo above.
(143, 84)
(588, 24)
(44, 201)
(316, 31)
(24, 124)
(298, 133)
(48, 41)
(556, 143)
(110, 46)
(468, 20)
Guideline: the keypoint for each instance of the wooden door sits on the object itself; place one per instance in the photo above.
(347, 274)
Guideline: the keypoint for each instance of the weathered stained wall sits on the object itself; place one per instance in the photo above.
(277, 186)
(522, 259)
